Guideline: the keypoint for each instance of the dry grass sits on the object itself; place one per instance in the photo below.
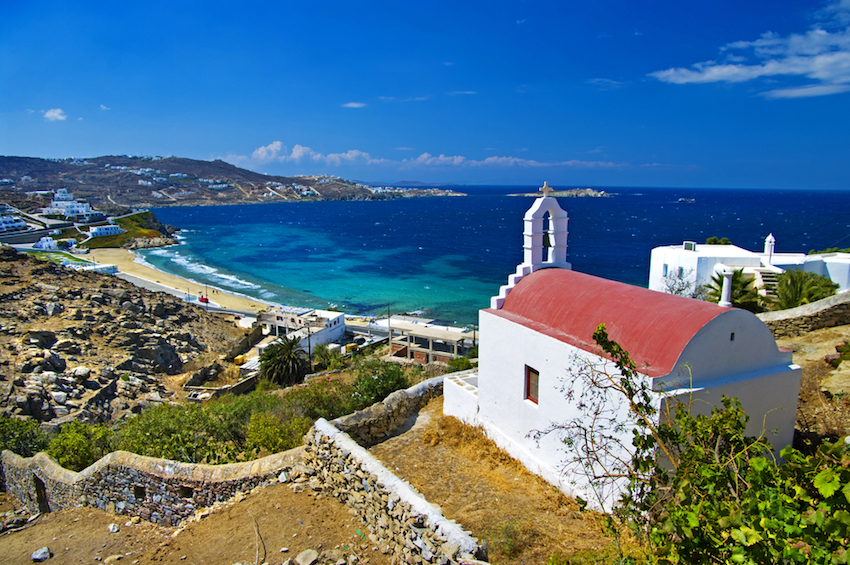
(523, 518)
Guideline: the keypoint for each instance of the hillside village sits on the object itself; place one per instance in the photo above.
(116, 183)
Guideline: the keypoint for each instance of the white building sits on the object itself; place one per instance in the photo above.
(10, 221)
(537, 336)
(46, 242)
(696, 264)
(310, 326)
(111, 229)
(63, 204)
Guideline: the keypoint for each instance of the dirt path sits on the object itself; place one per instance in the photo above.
(284, 519)
(522, 518)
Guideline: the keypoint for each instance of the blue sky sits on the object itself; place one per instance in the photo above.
(594, 93)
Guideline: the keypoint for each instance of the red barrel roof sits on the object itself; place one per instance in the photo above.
(654, 327)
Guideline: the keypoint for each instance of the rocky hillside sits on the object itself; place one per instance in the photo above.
(93, 347)
(112, 183)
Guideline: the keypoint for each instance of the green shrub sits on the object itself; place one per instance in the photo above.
(795, 288)
(329, 359)
(24, 437)
(79, 445)
(376, 380)
(321, 397)
(459, 364)
(268, 433)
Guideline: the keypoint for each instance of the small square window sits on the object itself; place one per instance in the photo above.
(532, 379)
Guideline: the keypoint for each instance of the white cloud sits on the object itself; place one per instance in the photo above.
(456, 92)
(54, 115)
(605, 83)
(103, 107)
(807, 91)
(268, 152)
(277, 152)
(354, 105)
(821, 54)
(520, 22)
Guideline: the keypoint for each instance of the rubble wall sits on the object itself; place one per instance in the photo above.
(158, 490)
(400, 520)
(375, 423)
(826, 313)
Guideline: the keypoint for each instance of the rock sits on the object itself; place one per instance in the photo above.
(42, 554)
(283, 478)
(113, 558)
(43, 339)
(53, 308)
(59, 397)
(113, 528)
(307, 557)
(450, 550)
(67, 346)
(81, 373)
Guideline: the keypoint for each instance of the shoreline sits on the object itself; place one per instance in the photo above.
(181, 287)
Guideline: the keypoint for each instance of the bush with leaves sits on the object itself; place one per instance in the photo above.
(795, 288)
(459, 364)
(322, 397)
(79, 445)
(268, 433)
(377, 379)
(744, 295)
(23, 437)
(329, 359)
(697, 490)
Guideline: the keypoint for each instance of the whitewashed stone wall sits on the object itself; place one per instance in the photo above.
(400, 520)
(826, 313)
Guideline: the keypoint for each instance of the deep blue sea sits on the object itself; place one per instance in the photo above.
(444, 257)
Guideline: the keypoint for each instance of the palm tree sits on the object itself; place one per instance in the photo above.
(284, 362)
(795, 288)
(743, 294)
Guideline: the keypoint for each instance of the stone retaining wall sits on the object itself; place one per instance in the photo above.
(401, 521)
(158, 490)
(826, 313)
(374, 424)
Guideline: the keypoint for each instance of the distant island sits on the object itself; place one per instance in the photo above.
(116, 183)
(571, 193)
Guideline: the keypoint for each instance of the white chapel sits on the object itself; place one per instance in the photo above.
(538, 332)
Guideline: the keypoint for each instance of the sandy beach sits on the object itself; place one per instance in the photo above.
(179, 286)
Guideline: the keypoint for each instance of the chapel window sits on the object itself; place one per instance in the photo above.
(532, 379)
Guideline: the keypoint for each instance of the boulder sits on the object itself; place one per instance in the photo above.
(42, 554)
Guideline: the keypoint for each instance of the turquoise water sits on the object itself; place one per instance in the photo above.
(445, 257)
